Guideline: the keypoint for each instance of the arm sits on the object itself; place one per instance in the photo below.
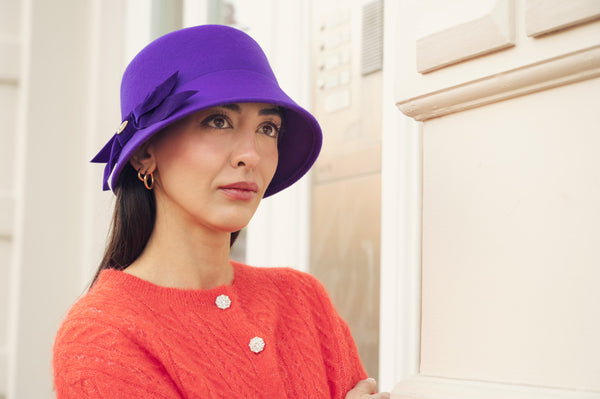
(362, 387)
(342, 362)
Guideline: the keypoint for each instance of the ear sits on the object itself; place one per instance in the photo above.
(143, 158)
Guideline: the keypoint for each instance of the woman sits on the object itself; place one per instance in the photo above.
(206, 134)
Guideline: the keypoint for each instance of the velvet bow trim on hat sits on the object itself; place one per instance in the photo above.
(157, 106)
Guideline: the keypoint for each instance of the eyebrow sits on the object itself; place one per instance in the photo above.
(264, 111)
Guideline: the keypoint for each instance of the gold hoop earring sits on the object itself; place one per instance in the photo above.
(151, 185)
(140, 174)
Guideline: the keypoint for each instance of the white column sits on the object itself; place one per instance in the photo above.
(399, 325)
(68, 50)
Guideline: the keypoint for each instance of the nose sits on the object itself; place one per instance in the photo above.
(245, 152)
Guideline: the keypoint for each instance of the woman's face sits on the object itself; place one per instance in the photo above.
(213, 167)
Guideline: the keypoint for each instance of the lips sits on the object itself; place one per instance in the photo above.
(244, 191)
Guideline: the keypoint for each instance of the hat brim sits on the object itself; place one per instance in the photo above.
(298, 148)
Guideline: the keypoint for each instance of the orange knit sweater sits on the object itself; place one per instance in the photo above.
(273, 333)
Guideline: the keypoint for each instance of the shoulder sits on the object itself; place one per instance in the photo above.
(281, 276)
(291, 285)
(102, 349)
(104, 310)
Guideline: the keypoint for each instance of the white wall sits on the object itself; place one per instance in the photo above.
(68, 52)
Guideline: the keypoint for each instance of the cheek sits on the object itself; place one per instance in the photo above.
(188, 150)
(180, 161)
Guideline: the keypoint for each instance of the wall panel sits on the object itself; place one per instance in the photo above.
(510, 242)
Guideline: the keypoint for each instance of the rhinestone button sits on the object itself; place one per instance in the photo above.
(122, 127)
(257, 344)
(223, 302)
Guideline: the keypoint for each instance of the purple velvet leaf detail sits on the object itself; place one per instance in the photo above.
(104, 154)
(165, 109)
(157, 96)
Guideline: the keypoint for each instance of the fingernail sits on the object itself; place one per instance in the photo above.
(371, 379)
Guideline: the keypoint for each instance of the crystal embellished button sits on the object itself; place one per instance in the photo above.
(122, 127)
(223, 302)
(257, 344)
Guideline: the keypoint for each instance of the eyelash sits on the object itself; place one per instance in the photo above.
(207, 123)
(276, 128)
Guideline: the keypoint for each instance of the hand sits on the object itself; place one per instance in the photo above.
(366, 389)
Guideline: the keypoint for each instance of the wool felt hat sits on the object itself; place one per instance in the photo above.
(197, 68)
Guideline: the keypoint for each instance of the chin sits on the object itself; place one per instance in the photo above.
(231, 226)
(235, 221)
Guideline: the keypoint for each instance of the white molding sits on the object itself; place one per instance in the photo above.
(420, 387)
(558, 71)
(9, 59)
(486, 33)
(546, 16)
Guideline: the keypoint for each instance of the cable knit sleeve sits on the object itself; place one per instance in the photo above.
(93, 359)
(343, 364)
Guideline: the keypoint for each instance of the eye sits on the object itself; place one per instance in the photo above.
(217, 121)
(269, 129)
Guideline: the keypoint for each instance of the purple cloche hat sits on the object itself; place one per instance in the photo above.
(201, 67)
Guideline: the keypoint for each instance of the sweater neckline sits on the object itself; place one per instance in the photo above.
(140, 288)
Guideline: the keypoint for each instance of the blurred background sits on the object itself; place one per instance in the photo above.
(452, 215)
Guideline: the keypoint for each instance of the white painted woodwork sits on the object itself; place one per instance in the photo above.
(546, 16)
(471, 31)
(568, 68)
(400, 271)
(510, 190)
(510, 241)
(413, 86)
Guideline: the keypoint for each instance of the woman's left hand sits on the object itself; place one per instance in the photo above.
(366, 389)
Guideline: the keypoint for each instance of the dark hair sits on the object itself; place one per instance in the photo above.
(132, 222)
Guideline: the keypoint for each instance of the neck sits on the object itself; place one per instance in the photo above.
(184, 255)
